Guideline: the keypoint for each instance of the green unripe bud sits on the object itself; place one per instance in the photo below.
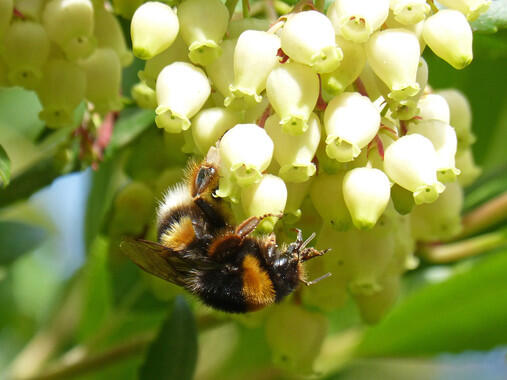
(296, 194)
(295, 351)
(182, 90)
(103, 79)
(61, 90)
(25, 50)
(210, 124)
(403, 200)
(153, 29)
(373, 307)
(70, 24)
(133, 209)
(109, 34)
(201, 32)
(469, 170)
(144, 96)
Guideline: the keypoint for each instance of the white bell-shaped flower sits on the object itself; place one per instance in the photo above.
(245, 152)
(6, 8)
(294, 153)
(393, 54)
(409, 12)
(417, 28)
(144, 96)
(296, 194)
(470, 8)
(203, 24)
(25, 49)
(326, 193)
(469, 171)
(366, 192)
(441, 219)
(356, 20)
(109, 34)
(255, 56)
(182, 89)
(177, 52)
(268, 196)
(103, 79)
(61, 90)
(449, 35)
(433, 106)
(444, 140)
(308, 37)
(411, 162)
(293, 90)
(460, 116)
(221, 70)
(354, 59)
(153, 29)
(351, 121)
(210, 124)
(70, 23)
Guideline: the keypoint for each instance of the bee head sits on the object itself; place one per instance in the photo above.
(298, 250)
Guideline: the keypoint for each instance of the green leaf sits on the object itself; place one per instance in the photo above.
(17, 239)
(173, 353)
(5, 168)
(493, 19)
(132, 123)
(465, 312)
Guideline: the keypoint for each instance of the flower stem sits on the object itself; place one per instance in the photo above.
(484, 216)
(319, 5)
(446, 253)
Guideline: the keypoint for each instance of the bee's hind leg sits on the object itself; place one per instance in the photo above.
(248, 225)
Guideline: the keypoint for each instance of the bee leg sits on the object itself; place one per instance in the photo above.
(249, 224)
(308, 283)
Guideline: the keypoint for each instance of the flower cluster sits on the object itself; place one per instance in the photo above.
(67, 51)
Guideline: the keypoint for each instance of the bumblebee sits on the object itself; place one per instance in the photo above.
(199, 249)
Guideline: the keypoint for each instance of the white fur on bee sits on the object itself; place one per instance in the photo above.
(175, 197)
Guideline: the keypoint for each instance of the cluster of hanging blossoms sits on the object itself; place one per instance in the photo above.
(326, 118)
(67, 51)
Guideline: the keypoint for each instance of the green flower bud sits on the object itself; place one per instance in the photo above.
(6, 8)
(69, 23)
(394, 56)
(126, 8)
(255, 56)
(460, 116)
(293, 90)
(470, 8)
(466, 165)
(144, 96)
(356, 20)
(373, 307)
(210, 124)
(433, 106)
(182, 89)
(411, 162)
(133, 209)
(444, 141)
(268, 196)
(236, 27)
(153, 29)
(449, 36)
(366, 192)
(409, 12)
(61, 90)
(103, 79)
(245, 152)
(25, 50)
(109, 34)
(403, 199)
(221, 70)
(296, 194)
(308, 37)
(326, 193)
(351, 121)
(201, 32)
(177, 52)
(294, 153)
(354, 59)
(439, 220)
(295, 351)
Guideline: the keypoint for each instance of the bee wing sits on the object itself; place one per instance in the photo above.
(156, 259)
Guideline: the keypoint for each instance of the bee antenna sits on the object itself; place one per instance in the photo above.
(307, 241)
(313, 282)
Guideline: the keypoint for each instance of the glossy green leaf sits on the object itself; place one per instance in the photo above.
(5, 168)
(465, 312)
(173, 353)
(493, 19)
(17, 239)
